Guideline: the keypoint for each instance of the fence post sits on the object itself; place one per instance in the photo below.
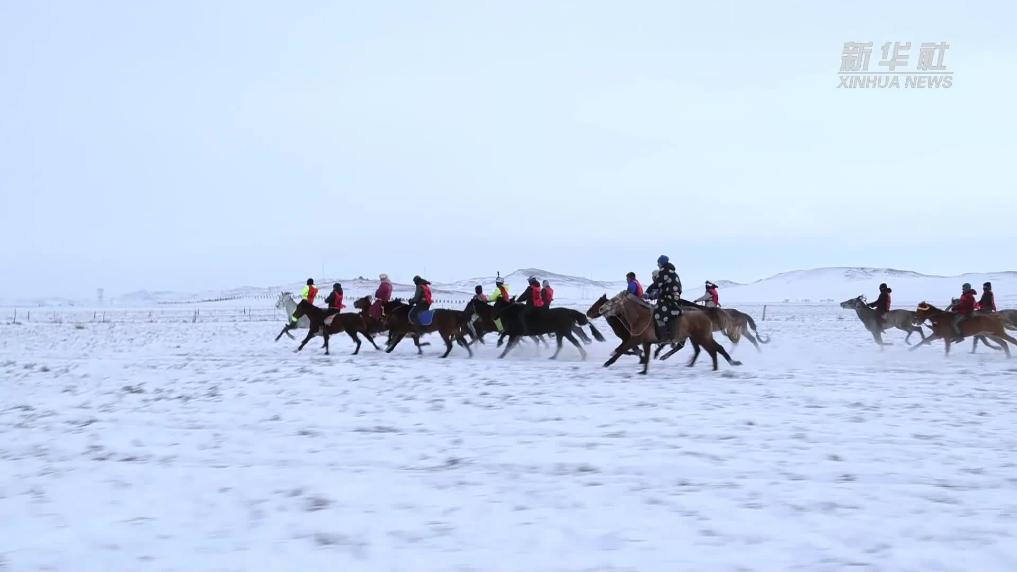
(15, 320)
(764, 312)
(29, 317)
(195, 316)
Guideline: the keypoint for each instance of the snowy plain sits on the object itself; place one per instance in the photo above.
(206, 446)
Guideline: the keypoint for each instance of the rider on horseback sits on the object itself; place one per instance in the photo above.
(963, 310)
(500, 290)
(382, 296)
(711, 299)
(882, 304)
(533, 298)
(335, 297)
(668, 289)
(421, 300)
(633, 287)
(988, 301)
(547, 294)
(478, 294)
(308, 293)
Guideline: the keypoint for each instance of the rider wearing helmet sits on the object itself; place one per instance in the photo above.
(882, 304)
(478, 294)
(532, 297)
(335, 297)
(988, 301)
(421, 299)
(308, 293)
(500, 290)
(963, 310)
(547, 294)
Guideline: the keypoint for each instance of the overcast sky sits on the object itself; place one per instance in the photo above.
(190, 145)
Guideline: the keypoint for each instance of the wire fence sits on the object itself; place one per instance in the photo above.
(167, 313)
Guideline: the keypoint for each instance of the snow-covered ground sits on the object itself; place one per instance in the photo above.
(206, 446)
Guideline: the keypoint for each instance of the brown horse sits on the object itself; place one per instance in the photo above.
(1009, 318)
(450, 325)
(991, 326)
(636, 319)
(732, 323)
(328, 322)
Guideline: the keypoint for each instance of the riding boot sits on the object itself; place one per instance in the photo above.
(957, 335)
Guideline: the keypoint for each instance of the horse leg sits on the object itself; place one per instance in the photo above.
(462, 341)
(751, 339)
(723, 352)
(352, 333)
(621, 350)
(575, 342)
(695, 356)
(370, 338)
(285, 330)
(930, 338)
(656, 353)
(646, 358)
(310, 334)
(445, 337)
(949, 341)
(513, 340)
(558, 338)
(674, 349)
(581, 335)
(712, 350)
(392, 343)
(974, 343)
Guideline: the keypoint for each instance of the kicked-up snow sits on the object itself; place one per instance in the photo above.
(206, 446)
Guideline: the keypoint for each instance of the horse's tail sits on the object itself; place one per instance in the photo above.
(582, 320)
(596, 333)
(759, 337)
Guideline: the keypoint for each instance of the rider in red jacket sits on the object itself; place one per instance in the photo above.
(963, 308)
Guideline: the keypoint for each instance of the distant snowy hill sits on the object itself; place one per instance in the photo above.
(840, 283)
(799, 286)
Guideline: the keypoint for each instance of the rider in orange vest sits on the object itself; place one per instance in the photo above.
(308, 293)
(547, 294)
(533, 297)
(335, 297)
(634, 287)
(421, 299)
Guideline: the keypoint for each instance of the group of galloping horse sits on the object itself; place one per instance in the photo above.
(629, 317)
(980, 326)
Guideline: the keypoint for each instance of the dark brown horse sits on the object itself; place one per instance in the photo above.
(636, 319)
(450, 325)
(328, 322)
(519, 321)
(991, 326)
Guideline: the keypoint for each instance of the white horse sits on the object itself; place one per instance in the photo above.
(287, 303)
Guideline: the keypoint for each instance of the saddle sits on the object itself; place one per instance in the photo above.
(424, 318)
(330, 318)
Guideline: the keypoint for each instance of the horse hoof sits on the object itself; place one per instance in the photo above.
(736, 363)
(642, 373)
